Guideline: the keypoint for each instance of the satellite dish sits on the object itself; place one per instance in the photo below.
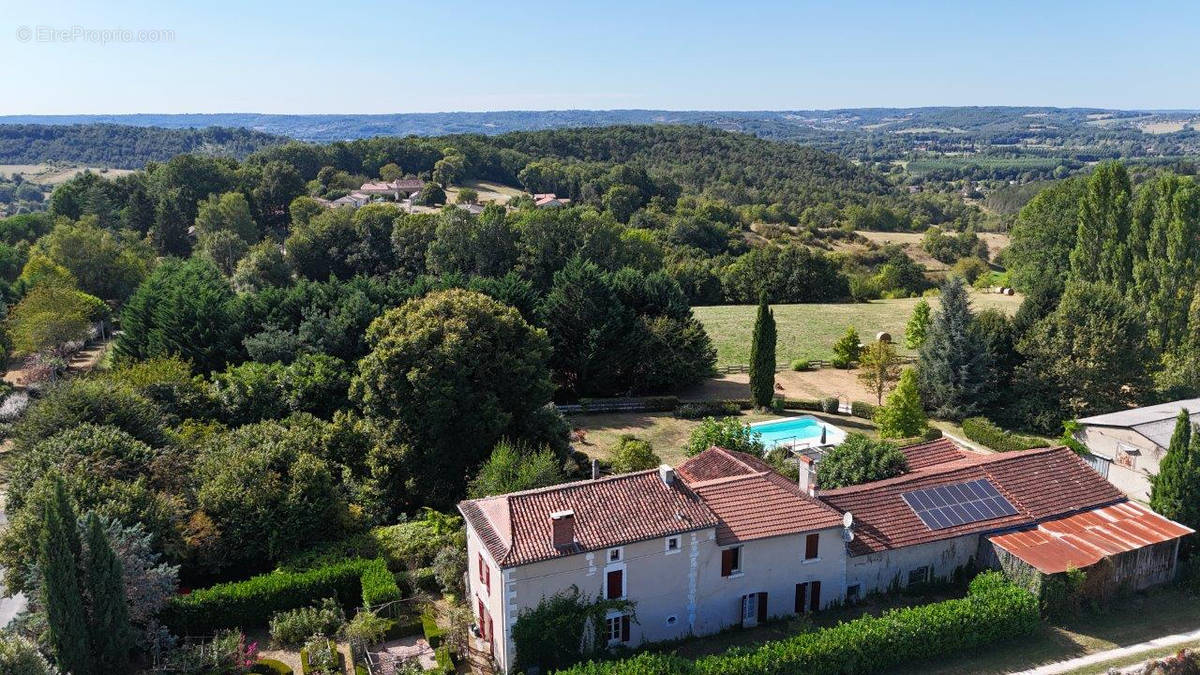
(847, 520)
(847, 536)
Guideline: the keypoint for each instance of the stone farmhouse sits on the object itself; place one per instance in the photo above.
(722, 540)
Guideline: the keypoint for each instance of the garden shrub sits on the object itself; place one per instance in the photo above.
(646, 403)
(862, 409)
(994, 610)
(829, 404)
(423, 579)
(378, 584)
(320, 656)
(840, 362)
(252, 602)
(801, 364)
(552, 634)
(931, 434)
(369, 627)
(983, 431)
(291, 628)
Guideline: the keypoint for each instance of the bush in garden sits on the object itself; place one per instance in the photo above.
(994, 610)
(862, 409)
(983, 431)
(633, 454)
(829, 405)
(320, 657)
(448, 568)
(379, 586)
(699, 409)
(253, 601)
(368, 627)
(728, 433)
(291, 628)
(801, 364)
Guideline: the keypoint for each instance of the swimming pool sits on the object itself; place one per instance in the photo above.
(803, 431)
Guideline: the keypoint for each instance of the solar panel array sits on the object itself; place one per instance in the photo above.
(958, 504)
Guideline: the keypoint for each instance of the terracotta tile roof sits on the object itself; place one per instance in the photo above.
(1041, 483)
(752, 501)
(611, 511)
(1082, 539)
(932, 453)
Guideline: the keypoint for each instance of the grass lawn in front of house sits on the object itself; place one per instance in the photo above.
(668, 434)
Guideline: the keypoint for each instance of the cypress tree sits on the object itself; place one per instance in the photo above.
(762, 356)
(108, 621)
(1166, 488)
(953, 363)
(61, 597)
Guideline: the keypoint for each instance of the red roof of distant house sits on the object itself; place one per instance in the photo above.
(932, 453)
(751, 500)
(1041, 483)
(1082, 539)
(516, 528)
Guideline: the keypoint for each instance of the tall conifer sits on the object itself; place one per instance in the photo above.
(762, 356)
(61, 596)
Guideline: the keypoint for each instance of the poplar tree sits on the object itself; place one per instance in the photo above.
(108, 621)
(1102, 251)
(762, 356)
(59, 551)
(917, 328)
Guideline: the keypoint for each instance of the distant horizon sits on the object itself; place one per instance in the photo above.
(600, 110)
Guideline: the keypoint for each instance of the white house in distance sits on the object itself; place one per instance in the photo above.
(1127, 445)
(722, 540)
(396, 189)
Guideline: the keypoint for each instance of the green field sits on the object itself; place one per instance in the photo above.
(809, 331)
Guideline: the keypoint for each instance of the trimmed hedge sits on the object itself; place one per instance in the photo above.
(983, 431)
(646, 403)
(829, 405)
(798, 404)
(994, 610)
(271, 667)
(445, 662)
(862, 409)
(379, 585)
(251, 603)
(433, 633)
(695, 410)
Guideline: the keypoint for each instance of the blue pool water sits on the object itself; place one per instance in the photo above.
(795, 430)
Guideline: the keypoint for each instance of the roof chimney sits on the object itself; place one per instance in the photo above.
(808, 475)
(562, 527)
(595, 469)
(666, 474)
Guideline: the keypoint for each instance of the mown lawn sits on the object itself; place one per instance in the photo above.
(668, 434)
(809, 331)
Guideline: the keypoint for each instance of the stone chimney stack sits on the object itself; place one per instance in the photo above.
(808, 475)
(562, 527)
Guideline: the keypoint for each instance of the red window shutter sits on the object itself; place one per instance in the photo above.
(482, 567)
(762, 607)
(801, 598)
(625, 629)
(487, 578)
(816, 595)
(483, 619)
(811, 544)
(726, 562)
(490, 634)
(614, 584)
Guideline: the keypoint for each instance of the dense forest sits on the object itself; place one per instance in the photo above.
(120, 146)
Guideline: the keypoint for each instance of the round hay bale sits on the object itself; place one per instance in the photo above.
(883, 336)
(1008, 291)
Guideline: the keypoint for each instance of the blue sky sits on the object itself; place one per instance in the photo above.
(400, 56)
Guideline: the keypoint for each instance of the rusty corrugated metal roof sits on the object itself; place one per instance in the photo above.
(1084, 538)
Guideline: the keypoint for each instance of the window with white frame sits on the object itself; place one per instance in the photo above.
(673, 545)
(616, 628)
(615, 554)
